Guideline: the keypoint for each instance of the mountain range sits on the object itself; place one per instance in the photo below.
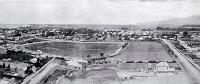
(191, 20)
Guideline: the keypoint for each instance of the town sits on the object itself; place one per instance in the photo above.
(53, 54)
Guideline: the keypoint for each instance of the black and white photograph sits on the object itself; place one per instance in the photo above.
(99, 41)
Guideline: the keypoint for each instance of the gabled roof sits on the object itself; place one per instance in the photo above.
(74, 63)
(162, 64)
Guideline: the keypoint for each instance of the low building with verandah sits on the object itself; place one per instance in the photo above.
(163, 69)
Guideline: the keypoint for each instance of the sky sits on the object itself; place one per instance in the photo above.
(94, 11)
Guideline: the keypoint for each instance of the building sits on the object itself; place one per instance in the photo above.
(133, 74)
(135, 70)
(163, 69)
(76, 59)
(145, 70)
(97, 60)
(188, 48)
(74, 65)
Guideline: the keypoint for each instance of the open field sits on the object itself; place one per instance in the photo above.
(137, 51)
(75, 49)
(145, 51)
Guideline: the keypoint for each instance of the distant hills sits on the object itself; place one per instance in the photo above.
(192, 20)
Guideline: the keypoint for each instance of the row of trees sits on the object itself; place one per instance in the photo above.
(178, 29)
(101, 55)
(23, 57)
(151, 61)
(16, 56)
(70, 32)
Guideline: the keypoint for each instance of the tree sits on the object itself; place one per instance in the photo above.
(159, 28)
(8, 68)
(139, 62)
(120, 37)
(29, 70)
(101, 54)
(127, 38)
(153, 61)
(185, 34)
(4, 66)
(88, 56)
(38, 63)
(133, 35)
(124, 28)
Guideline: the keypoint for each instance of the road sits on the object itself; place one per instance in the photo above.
(189, 66)
(43, 73)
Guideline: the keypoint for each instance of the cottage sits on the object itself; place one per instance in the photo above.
(74, 65)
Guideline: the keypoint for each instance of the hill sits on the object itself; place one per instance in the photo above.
(192, 20)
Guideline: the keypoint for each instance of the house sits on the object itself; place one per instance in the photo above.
(74, 65)
(76, 59)
(33, 60)
(135, 70)
(132, 39)
(188, 48)
(140, 38)
(163, 69)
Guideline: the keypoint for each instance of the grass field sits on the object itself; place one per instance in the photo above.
(75, 49)
(145, 51)
(137, 51)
